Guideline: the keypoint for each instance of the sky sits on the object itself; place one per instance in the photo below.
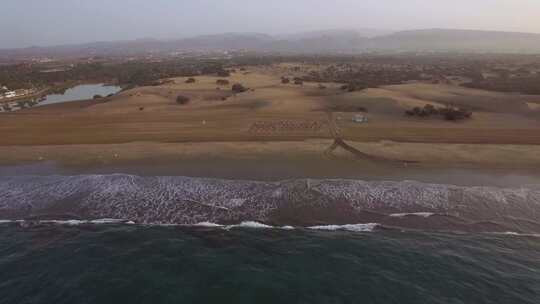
(26, 23)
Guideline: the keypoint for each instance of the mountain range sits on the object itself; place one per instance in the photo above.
(328, 41)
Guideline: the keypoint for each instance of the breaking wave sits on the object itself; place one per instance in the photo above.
(247, 224)
(317, 204)
(354, 228)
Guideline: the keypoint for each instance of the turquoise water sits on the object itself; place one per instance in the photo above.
(80, 92)
(152, 264)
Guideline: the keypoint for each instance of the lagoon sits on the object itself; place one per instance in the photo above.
(80, 92)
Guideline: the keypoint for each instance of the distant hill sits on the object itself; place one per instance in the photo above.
(227, 41)
(330, 41)
(320, 41)
(365, 33)
(459, 40)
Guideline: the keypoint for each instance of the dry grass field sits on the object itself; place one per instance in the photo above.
(295, 116)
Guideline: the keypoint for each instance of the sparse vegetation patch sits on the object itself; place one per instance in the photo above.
(238, 88)
(182, 100)
(448, 113)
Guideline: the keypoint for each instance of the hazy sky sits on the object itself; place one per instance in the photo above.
(49, 22)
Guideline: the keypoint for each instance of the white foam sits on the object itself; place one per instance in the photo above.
(107, 221)
(208, 224)
(66, 222)
(164, 225)
(421, 214)
(147, 199)
(69, 222)
(11, 221)
(511, 233)
(250, 224)
(353, 228)
(245, 224)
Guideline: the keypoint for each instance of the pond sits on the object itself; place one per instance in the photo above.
(80, 92)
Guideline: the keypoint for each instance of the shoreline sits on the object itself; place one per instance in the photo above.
(270, 161)
(301, 202)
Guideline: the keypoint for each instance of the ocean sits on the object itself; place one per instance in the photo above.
(122, 238)
(126, 263)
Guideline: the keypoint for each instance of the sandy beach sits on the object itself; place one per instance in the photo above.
(275, 131)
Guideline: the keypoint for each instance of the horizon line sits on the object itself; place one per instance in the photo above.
(390, 32)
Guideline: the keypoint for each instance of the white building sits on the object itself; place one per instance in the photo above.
(360, 119)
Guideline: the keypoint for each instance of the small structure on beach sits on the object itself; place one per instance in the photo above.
(358, 118)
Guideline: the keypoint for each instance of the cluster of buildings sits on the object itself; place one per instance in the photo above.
(10, 106)
(5, 93)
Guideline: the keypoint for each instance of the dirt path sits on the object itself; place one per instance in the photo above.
(340, 143)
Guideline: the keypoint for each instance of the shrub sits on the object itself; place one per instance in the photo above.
(223, 73)
(191, 80)
(222, 82)
(285, 80)
(448, 112)
(352, 87)
(430, 110)
(238, 88)
(456, 114)
(182, 100)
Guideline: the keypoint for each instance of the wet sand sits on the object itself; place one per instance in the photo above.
(281, 160)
